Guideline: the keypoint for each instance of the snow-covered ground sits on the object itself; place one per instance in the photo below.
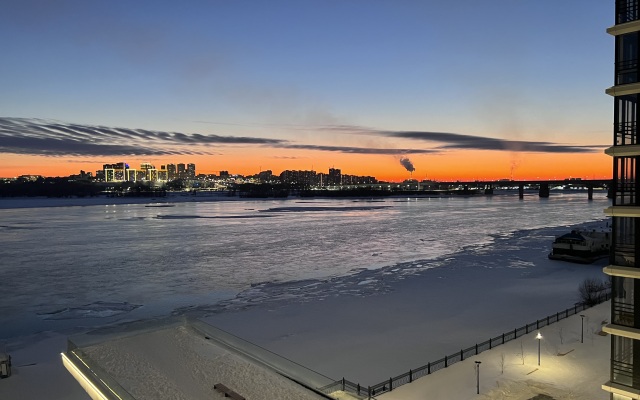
(37, 371)
(568, 370)
(177, 363)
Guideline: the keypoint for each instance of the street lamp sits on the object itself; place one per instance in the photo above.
(582, 328)
(538, 336)
(478, 376)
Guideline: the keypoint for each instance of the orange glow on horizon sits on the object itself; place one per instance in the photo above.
(458, 165)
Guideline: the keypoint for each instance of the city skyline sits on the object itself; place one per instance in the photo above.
(463, 92)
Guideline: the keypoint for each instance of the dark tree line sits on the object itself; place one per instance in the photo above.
(63, 187)
(264, 190)
(48, 187)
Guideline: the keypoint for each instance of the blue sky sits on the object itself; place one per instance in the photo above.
(512, 70)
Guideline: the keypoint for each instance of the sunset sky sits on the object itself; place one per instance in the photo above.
(464, 89)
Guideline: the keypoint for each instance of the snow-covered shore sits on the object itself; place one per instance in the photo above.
(380, 323)
(177, 361)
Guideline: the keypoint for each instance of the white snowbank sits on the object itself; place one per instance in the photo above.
(177, 363)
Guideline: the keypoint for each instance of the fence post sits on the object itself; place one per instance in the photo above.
(526, 328)
(537, 324)
(547, 320)
(343, 383)
(566, 313)
(490, 343)
(390, 384)
(358, 389)
(410, 376)
(369, 392)
(515, 333)
(575, 308)
(502, 337)
(461, 355)
(445, 361)
(476, 348)
(428, 368)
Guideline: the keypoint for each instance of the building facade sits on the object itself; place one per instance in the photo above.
(191, 171)
(624, 260)
(172, 172)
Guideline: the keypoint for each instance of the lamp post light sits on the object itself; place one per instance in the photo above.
(539, 337)
(478, 376)
(582, 328)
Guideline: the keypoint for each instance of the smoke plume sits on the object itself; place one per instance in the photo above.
(407, 164)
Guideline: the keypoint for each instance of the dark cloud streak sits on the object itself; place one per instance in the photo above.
(358, 150)
(55, 138)
(457, 141)
(41, 137)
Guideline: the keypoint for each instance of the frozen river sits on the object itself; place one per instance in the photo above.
(83, 266)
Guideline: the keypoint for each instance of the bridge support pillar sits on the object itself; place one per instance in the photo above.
(544, 190)
(488, 189)
(590, 192)
(521, 191)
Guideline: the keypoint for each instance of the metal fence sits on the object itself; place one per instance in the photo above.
(429, 368)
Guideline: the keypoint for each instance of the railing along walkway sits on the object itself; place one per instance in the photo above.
(431, 367)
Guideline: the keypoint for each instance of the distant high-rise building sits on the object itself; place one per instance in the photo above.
(172, 172)
(118, 172)
(149, 172)
(300, 178)
(265, 176)
(335, 176)
(162, 173)
(191, 171)
(624, 259)
(182, 171)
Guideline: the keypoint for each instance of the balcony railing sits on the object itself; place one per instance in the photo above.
(624, 255)
(623, 314)
(626, 71)
(626, 133)
(626, 11)
(622, 372)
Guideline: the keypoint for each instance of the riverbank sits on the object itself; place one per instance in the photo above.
(569, 367)
(206, 196)
(381, 323)
(102, 200)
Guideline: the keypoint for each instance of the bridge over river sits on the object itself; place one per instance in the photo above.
(543, 186)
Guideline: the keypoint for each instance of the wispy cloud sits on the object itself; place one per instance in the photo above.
(460, 141)
(449, 141)
(358, 150)
(53, 138)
